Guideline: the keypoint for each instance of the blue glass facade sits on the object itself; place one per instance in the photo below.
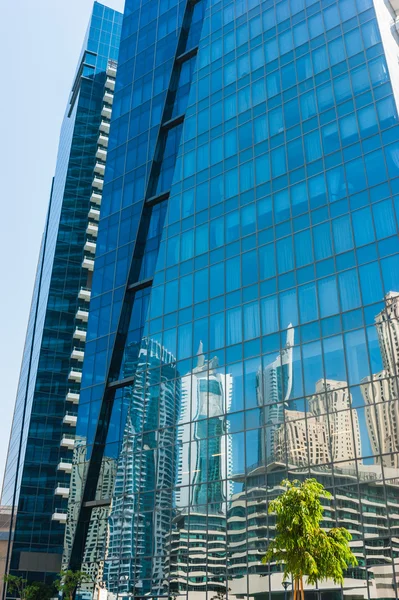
(244, 324)
(35, 451)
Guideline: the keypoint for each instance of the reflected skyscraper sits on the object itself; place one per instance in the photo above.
(204, 462)
(274, 391)
(332, 407)
(140, 511)
(381, 389)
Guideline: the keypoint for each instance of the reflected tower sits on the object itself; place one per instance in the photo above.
(274, 391)
(381, 390)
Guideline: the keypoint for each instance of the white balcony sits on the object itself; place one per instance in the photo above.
(96, 198)
(68, 441)
(59, 516)
(80, 334)
(88, 263)
(82, 314)
(94, 213)
(99, 168)
(61, 490)
(110, 83)
(77, 354)
(90, 246)
(98, 183)
(103, 139)
(101, 154)
(65, 465)
(104, 128)
(75, 374)
(84, 294)
(92, 229)
(108, 97)
(72, 397)
(111, 70)
(106, 112)
(70, 420)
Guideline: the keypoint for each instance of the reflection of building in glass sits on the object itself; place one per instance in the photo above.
(361, 509)
(381, 390)
(274, 391)
(121, 524)
(198, 538)
(301, 441)
(139, 520)
(203, 463)
(387, 325)
(332, 407)
(93, 563)
(75, 495)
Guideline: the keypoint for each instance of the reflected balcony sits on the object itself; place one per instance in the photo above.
(70, 419)
(84, 294)
(108, 97)
(110, 83)
(98, 183)
(82, 314)
(94, 213)
(92, 229)
(62, 490)
(65, 465)
(90, 246)
(103, 139)
(67, 441)
(59, 515)
(75, 374)
(77, 354)
(106, 112)
(88, 263)
(72, 396)
(104, 128)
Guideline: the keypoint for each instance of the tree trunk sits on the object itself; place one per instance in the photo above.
(302, 590)
(295, 588)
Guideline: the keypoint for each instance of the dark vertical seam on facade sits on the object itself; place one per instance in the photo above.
(94, 466)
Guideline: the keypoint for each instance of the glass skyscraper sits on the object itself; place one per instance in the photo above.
(245, 301)
(244, 307)
(39, 463)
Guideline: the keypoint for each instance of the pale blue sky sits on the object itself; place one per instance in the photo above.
(40, 42)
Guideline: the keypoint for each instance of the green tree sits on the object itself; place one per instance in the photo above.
(34, 591)
(16, 585)
(70, 581)
(300, 544)
(38, 591)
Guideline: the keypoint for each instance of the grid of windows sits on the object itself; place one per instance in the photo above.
(264, 343)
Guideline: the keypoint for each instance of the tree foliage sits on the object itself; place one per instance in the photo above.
(39, 591)
(16, 585)
(70, 581)
(34, 591)
(300, 544)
